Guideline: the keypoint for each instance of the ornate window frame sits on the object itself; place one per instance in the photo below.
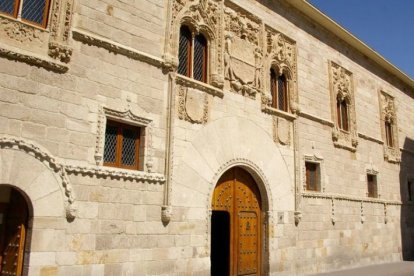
(47, 47)
(313, 158)
(388, 113)
(130, 117)
(342, 88)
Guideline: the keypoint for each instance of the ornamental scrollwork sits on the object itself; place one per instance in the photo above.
(21, 32)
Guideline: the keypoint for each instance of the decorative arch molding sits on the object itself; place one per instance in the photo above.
(201, 16)
(254, 170)
(43, 157)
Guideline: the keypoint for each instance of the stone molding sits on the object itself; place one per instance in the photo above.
(342, 87)
(388, 113)
(315, 118)
(115, 173)
(370, 138)
(46, 158)
(282, 132)
(279, 113)
(192, 83)
(124, 114)
(31, 59)
(114, 47)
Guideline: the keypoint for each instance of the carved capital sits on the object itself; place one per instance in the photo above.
(60, 52)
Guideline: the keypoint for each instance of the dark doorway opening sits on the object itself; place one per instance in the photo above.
(220, 243)
(14, 213)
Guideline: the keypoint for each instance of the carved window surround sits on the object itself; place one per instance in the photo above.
(388, 114)
(313, 158)
(342, 86)
(372, 170)
(125, 115)
(48, 47)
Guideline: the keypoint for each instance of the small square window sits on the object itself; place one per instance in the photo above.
(410, 185)
(372, 185)
(122, 145)
(313, 179)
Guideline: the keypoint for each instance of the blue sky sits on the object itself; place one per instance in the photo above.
(387, 26)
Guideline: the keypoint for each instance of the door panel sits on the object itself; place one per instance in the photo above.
(237, 193)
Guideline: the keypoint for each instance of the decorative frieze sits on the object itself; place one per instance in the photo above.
(344, 134)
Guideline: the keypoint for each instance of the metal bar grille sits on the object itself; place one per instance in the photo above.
(281, 90)
(110, 144)
(129, 147)
(34, 10)
(200, 45)
(184, 51)
(8, 6)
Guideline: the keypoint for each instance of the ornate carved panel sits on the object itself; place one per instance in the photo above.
(50, 43)
(192, 105)
(389, 116)
(342, 88)
(282, 131)
(281, 55)
(243, 51)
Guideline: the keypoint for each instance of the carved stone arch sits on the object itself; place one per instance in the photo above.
(39, 175)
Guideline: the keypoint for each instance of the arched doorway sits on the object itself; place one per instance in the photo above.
(236, 226)
(14, 214)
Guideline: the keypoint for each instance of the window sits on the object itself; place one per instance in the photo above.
(192, 55)
(33, 11)
(372, 185)
(122, 145)
(410, 186)
(388, 134)
(342, 114)
(313, 180)
(278, 87)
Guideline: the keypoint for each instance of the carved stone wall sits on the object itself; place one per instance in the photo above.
(388, 114)
(342, 87)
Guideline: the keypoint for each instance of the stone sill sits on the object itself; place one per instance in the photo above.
(192, 83)
(277, 112)
(350, 198)
(46, 62)
(344, 146)
(116, 173)
(316, 119)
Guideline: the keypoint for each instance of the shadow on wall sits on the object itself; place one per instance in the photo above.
(407, 198)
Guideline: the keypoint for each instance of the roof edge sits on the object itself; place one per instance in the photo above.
(315, 14)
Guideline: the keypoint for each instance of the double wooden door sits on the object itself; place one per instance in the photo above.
(13, 214)
(236, 225)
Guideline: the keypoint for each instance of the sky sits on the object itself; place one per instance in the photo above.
(387, 26)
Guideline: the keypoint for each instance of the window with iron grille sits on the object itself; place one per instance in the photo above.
(388, 134)
(192, 55)
(342, 114)
(313, 180)
(372, 185)
(410, 187)
(122, 145)
(33, 11)
(278, 87)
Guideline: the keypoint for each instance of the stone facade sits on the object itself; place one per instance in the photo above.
(100, 60)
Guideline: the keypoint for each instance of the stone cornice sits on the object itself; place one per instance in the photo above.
(32, 59)
(370, 138)
(112, 46)
(192, 83)
(316, 119)
(350, 198)
(279, 113)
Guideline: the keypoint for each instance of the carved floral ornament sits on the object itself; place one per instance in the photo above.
(54, 39)
(342, 88)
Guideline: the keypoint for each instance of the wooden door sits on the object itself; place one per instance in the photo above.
(237, 194)
(13, 235)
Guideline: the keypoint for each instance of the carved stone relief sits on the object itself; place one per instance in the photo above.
(20, 32)
(281, 131)
(280, 55)
(129, 115)
(192, 105)
(389, 115)
(243, 54)
(342, 88)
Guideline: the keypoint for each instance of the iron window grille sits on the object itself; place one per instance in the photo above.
(122, 145)
(33, 11)
(192, 55)
(278, 87)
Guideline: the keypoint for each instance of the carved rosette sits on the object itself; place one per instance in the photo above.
(243, 52)
(389, 115)
(342, 87)
(281, 55)
(201, 16)
(192, 105)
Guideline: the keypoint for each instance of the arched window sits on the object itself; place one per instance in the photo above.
(32, 11)
(192, 55)
(342, 114)
(388, 134)
(278, 88)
